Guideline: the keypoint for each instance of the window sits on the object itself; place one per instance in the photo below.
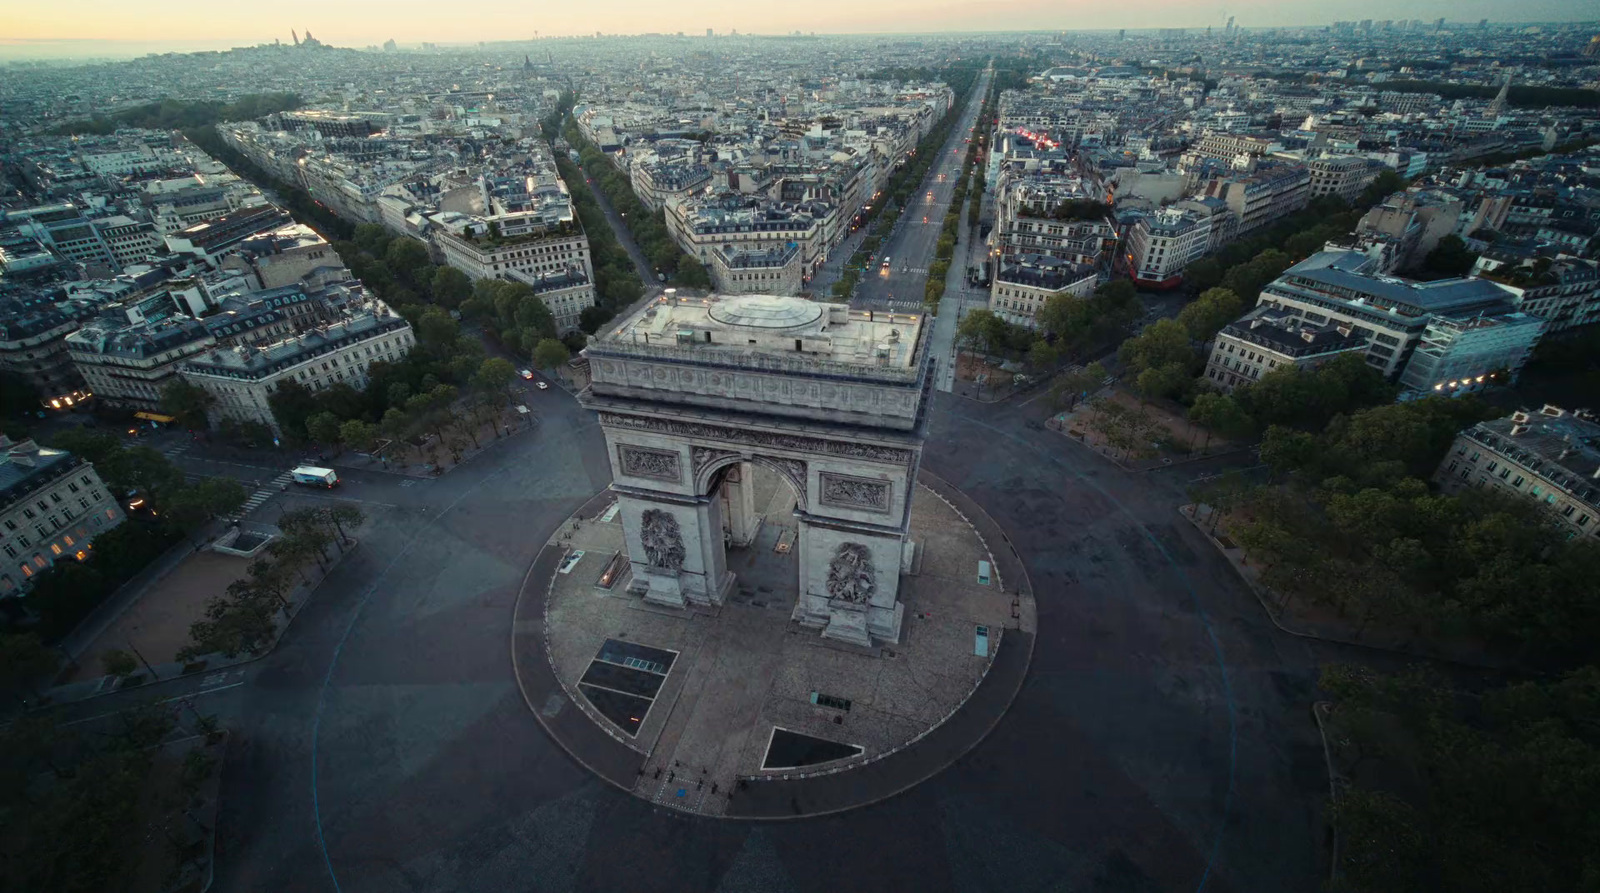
(56, 548)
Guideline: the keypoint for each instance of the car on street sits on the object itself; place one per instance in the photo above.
(526, 373)
(544, 386)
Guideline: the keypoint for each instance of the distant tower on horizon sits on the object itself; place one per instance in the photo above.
(1499, 103)
(296, 35)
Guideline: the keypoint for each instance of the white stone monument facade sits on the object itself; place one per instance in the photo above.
(692, 393)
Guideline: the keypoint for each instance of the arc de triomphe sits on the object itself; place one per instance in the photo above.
(691, 392)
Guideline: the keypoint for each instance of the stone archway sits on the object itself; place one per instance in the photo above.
(829, 399)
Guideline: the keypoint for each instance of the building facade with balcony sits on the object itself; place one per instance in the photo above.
(52, 506)
(1551, 457)
(243, 377)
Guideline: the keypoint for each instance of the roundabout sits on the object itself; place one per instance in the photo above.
(735, 711)
(1159, 737)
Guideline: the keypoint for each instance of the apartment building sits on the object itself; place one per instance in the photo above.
(1391, 314)
(1551, 457)
(567, 293)
(33, 345)
(213, 240)
(1262, 196)
(1460, 354)
(1342, 176)
(774, 270)
(1564, 292)
(128, 364)
(1236, 149)
(532, 254)
(129, 240)
(660, 183)
(52, 506)
(1268, 338)
(736, 224)
(1162, 244)
(1025, 283)
(241, 378)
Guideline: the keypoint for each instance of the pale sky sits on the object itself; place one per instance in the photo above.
(29, 27)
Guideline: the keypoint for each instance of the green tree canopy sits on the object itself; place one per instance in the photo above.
(550, 353)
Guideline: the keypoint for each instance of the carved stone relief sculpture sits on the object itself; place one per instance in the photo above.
(662, 540)
(662, 465)
(845, 491)
(851, 578)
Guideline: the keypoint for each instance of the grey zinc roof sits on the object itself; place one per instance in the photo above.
(1333, 269)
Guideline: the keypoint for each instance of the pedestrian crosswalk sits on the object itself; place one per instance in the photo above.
(265, 493)
(173, 452)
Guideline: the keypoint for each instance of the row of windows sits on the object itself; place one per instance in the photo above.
(1535, 490)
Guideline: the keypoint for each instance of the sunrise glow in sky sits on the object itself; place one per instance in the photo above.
(99, 26)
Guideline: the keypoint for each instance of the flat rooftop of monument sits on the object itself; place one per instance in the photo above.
(773, 325)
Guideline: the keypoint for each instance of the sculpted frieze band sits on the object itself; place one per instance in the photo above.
(848, 491)
(799, 442)
(643, 462)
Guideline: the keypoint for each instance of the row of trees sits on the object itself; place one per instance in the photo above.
(649, 228)
(1068, 327)
(244, 619)
(908, 177)
(78, 800)
(617, 279)
(176, 114)
(1517, 97)
(1350, 523)
(1475, 793)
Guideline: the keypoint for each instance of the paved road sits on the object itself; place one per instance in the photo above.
(624, 235)
(911, 245)
(1162, 740)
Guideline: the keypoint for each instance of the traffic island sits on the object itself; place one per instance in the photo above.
(739, 709)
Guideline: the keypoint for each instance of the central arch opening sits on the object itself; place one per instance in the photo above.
(760, 532)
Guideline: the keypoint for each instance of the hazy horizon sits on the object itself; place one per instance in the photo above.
(108, 29)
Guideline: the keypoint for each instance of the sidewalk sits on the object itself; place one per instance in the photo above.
(166, 671)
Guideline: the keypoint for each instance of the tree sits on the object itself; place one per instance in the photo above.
(239, 622)
(1162, 343)
(450, 287)
(692, 273)
(323, 428)
(1204, 273)
(1207, 314)
(437, 331)
(342, 516)
(292, 403)
(24, 660)
(358, 435)
(1168, 380)
(495, 375)
(1449, 258)
(982, 331)
(1222, 415)
(199, 502)
(1074, 385)
(187, 403)
(550, 353)
(118, 663)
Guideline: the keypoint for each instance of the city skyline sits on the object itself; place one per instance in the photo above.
(104, 29)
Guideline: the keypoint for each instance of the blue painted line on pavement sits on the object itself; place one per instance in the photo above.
(322, 694)
(1205, 622)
